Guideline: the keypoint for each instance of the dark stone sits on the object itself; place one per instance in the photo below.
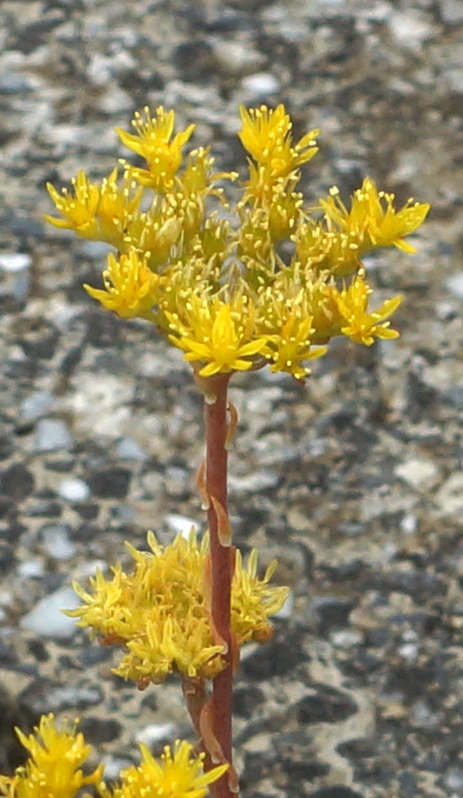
(408, 787)
(17, 482)
(257, 765)
(46, 508)
(277, 658)
(100, 730)
(357, 749)
(11, 532)
(38, 650)
(110, 483)
(325, 705)
(420, 585)
(7, 558)
(30, 37)
(332, 612)
(194, 60)
(85, 533)
(245, 699)
(94, 654)
(361, 662)
(6, 446)
(150, 701)
(39, 340)
(86, 510)
(336, 791)
(8, 655)
(103, 329)
(7, 507)
(304, 769)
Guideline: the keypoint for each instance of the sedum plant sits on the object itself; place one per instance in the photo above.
(267, 281)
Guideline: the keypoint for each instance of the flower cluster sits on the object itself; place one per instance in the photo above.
(54, 769)
(160, 612)
(272, 287)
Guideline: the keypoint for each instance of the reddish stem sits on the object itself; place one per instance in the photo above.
(221, 569)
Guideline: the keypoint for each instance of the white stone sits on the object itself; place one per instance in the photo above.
(13, 262)
(31, 569)
(411, 28)
(180, 524)
(236, 57)
(74, 490)
(155, 733)
(346, 638)
(450, 497)
(47, 619)
(420, 474)
(56, 542)
(51, 435)
(455, 284)
(260, 85)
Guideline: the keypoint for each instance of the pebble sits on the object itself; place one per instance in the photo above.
(451, 11)
(16, 275)
(454, 284)
(411, 28)
(74, 490)
(35, 406)
(56, 542)
(156, 733)
(129, 449)
(450, 496)
(110, 483)
(255, 482)
(346, 638)
(31, 569)
(420, 474)
(454, 781)
(180, 524)
(13, 262)
(47, 619)
(257, 87)
(235, 57)
(51, 435)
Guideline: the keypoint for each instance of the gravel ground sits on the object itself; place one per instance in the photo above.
(355, 480)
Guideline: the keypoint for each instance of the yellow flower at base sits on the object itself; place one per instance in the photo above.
(54, 768)
(130, 287)
(179, 774)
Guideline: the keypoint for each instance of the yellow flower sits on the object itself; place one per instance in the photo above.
(361, 326)
(130, 287)
(179, 774)
(160, 614)
(54, 768)
(372, 217)
(294, 346)
(266, 135)
(254, 601)
(79, 209)
(99, 214)
(219, 335)
(153, 141)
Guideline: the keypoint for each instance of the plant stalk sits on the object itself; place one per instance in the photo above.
(221, 570)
